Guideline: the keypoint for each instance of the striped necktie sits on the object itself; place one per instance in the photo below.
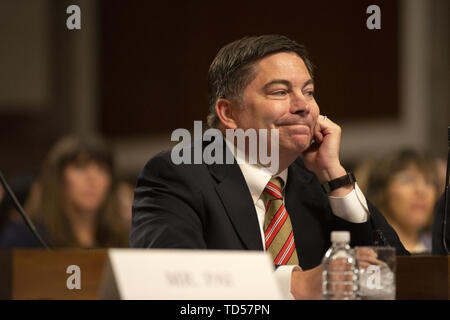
(279, 237)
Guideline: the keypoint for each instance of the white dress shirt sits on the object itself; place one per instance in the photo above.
(353, 208)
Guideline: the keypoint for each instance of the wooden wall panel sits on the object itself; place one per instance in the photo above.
(155, 57)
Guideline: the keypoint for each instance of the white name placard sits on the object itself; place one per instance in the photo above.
(188, 275)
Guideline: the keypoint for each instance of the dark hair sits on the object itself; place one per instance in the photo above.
(232, 68)
(78, 150)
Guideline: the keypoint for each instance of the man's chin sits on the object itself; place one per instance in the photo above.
(301, 142)
(296, 147)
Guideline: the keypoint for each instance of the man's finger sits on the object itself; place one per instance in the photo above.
(367, 257)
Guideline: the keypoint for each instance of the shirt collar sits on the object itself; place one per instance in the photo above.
(255, 176)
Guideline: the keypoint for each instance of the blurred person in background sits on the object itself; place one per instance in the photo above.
(22, 186)
(404, 187)
(78, 206)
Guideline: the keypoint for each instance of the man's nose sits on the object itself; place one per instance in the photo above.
(299, 104)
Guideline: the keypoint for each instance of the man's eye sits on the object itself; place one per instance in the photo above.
(280, 93)
(310, 93)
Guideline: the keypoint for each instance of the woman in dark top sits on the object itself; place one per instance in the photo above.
(78, 206)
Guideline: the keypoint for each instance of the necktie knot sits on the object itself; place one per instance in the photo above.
(273, 189)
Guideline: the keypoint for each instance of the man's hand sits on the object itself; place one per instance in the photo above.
(322, 157)
(307, 285)
(367, 257)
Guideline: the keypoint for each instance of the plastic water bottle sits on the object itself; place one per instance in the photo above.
(340, 270)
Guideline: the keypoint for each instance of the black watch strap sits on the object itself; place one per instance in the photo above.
(334, 184)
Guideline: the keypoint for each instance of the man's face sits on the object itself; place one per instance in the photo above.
(281, 97)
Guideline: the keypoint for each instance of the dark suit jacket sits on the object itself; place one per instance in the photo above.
(210, 207)
(438, 246)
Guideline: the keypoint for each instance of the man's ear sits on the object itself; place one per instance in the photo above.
(226, 111)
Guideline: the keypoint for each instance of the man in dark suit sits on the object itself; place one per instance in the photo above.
(261, 82)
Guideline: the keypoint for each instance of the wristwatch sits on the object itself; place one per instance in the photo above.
(334, 184)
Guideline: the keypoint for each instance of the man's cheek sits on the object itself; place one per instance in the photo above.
(316, 116)
(315, 111)
(315, 123)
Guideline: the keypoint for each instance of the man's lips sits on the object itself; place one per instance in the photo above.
(297, 125)
(294, 124)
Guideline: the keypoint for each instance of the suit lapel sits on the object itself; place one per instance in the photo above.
(233, 191)
(304, 203)
(297, 195)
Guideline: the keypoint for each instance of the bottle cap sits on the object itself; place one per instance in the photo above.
(340, 236)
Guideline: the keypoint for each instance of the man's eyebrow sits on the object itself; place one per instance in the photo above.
(286, 83)
(277, 81)
(310, 81)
